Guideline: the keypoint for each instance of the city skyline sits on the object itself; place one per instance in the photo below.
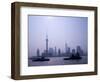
(59, 30)
(54, 51)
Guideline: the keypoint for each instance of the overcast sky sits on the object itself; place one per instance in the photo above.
(60, 30)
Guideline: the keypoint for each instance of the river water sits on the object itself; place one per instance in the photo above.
(58, 61)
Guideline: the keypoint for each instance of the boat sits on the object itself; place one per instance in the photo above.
(41, 59)
(73, 57)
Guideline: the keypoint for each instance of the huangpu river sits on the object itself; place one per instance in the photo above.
(58, 61)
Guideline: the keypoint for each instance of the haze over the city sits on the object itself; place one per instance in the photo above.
(60, 30)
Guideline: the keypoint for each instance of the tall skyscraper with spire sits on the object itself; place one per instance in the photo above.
(46, 44)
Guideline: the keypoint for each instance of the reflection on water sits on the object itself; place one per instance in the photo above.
(57, 61)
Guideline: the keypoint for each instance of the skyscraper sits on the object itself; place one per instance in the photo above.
(51, 51)
(55, 51)
(59, 52)
(66, 48)
(46, 44)
(79, 50)
(38, 52)
(68, 51)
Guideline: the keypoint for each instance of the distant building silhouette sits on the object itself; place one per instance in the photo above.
(66, 48)
(73, 53)
(55, 51)
(51, 51)
(79, 50)
(59, 52)
(38, 52)
(46, 44)
(44, 53)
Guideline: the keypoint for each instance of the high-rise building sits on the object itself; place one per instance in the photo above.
(51, 52)
(47, 44)
(68, 51)
(55, 51)
(38, 52)
(66, 48)
(79, 50)
(73, 51)
(59, 52)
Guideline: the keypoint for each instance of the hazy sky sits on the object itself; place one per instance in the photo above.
(60, 30)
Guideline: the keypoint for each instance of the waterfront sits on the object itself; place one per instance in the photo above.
(58, 61)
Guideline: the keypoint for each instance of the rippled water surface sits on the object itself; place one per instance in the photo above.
(57, 61)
